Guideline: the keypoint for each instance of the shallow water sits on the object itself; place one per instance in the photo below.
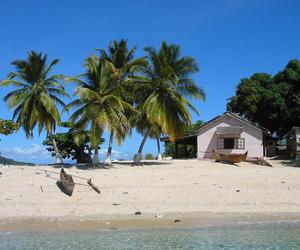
(251, 236)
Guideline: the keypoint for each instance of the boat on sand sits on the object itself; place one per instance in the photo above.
(66, 182)
(230, 158)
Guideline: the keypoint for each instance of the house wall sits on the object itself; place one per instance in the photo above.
(207, 138)
(270, 147)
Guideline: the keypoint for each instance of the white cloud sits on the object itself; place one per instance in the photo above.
(35, 153)
(38, 154)
(115, 154)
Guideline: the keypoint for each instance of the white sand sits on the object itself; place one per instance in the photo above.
(178, 186)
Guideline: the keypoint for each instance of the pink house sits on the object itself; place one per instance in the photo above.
(228, 133)
(231, 133)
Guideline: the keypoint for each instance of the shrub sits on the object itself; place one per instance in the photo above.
(149, 156)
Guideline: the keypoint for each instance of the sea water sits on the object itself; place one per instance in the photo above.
(245, 236)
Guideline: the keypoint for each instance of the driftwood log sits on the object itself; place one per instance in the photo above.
(259, 161)
(93, 186)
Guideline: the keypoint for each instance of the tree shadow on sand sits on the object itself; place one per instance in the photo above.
(142, 163)
(286, 161)
(83, 166)
(291, 163)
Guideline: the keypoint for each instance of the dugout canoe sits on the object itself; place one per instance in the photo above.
(67, 182)
(230, 158)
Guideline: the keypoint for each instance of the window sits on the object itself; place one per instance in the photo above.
(231, 143)
(220, 143)
(228, 143)
(241, 143)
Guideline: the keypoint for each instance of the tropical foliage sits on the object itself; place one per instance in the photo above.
(149, 156)
(185, 151)
(125, 66)
(36, 96)
(73, 144)
(270, 101)
(116, 93)
(163, 91)
(99, 104)
(8, 127)
(193, 128)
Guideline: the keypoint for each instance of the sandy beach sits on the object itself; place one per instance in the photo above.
(194, 192)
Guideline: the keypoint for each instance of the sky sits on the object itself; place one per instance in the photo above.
(230, 39)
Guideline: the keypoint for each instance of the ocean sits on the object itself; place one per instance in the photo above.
(243, 236)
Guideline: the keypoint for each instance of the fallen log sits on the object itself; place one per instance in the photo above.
(259, 161)
(93, 186)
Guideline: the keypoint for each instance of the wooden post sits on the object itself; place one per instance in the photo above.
(176, 150)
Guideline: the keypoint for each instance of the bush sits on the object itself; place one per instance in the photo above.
(149, 157)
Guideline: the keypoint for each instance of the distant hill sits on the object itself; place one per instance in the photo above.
(6, 161)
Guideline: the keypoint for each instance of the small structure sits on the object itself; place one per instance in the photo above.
(233, 134)
(182, 145)
(227, 134)
(293, 142)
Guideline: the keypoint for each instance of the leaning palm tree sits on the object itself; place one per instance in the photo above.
(163, 91)
(125, 66)
(37, 94)
(142, 126)
(99, 104)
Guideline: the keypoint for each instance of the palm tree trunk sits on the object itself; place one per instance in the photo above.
(109, 150)
(158, 149)
(58, 157)
(95, 159)
(138, 156)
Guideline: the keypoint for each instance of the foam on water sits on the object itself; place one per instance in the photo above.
(255, 236)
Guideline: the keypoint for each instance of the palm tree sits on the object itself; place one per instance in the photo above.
(142, 126)
(99, 104)
(163, 90)
(37, 94)
(125, 66)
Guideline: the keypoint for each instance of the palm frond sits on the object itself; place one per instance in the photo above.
(34, 101)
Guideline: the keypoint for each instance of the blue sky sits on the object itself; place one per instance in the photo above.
(230, 39)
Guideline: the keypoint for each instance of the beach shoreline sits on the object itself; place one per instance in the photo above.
(148, 221)
(198, 193)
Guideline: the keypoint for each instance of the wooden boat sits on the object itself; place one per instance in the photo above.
(230, 158)
(66, 182)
